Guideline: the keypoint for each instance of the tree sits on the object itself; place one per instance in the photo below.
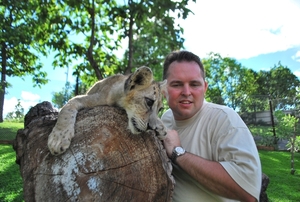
(19, 42)
(18, 114)
(246, 90)
(61, 98)
(229, 82)
(91, 32)
(280, 85)
(213, 70)
(288, 128)
(151, 37)
(151, 34)
(86, 31)
(83, 31)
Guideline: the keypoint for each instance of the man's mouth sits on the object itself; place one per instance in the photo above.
(185, 102)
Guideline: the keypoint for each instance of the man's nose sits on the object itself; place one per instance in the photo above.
(186, 90)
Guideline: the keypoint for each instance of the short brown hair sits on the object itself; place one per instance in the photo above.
(180, 56)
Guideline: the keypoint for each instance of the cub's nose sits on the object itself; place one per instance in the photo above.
(149, 127)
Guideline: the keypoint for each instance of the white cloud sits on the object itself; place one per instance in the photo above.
(297, 73)
(242, 29)
(9, 105)
(28, 96)
(28, 100)
(296, 56)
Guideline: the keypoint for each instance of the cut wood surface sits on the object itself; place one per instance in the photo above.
(105, 162)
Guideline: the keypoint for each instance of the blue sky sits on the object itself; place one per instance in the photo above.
(258, 33)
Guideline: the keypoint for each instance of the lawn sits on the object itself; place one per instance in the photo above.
(8, 130)
(11, 184)
(283, 186)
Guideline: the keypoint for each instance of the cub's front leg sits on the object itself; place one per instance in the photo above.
(60, 138)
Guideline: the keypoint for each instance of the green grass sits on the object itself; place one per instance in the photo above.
(8, 130)
(283, 186)
(11, 184)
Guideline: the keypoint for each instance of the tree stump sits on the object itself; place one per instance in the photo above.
(264, 185)
(105, 162)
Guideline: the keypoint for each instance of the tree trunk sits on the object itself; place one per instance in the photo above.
(105, 162)
(3, 82)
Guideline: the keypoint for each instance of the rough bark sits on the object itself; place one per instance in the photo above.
(264, 185)
(105, 162)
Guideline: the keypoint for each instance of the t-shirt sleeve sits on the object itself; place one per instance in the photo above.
(238, 154)
(235, 149)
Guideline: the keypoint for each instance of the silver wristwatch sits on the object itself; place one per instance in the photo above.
(177, 151)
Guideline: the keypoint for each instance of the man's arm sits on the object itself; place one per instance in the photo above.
(210, 174)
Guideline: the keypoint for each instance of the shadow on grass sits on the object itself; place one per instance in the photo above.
(8, 130)
(5, 134)
(11, 184)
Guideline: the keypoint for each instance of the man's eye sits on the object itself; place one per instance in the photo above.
(175, 85)
(195, 84)
(149, 102)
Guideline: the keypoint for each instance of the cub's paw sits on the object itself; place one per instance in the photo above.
(60, 140)
(161, 133)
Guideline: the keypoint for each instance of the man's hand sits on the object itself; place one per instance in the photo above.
(171, 141)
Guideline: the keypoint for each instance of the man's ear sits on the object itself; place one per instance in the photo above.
(141, 78)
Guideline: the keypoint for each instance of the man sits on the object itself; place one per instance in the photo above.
(213, 152)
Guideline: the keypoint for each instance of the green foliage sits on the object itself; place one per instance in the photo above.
(19, 42)
(296, 143)
(288, 128)
(265, 134)
(83, 31)
(92, 31)
(59, 99)
(229, 82)
(20, 46)
(246, 90)
(17, 115)
(285, 125)
(152, 36)
(280, 84)
(89, 32)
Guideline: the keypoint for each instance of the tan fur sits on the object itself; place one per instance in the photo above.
(137, 93)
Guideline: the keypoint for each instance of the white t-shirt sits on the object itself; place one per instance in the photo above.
(216, 133)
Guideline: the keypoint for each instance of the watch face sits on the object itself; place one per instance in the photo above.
(179, 150)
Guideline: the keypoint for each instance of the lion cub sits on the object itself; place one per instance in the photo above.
(137, 93)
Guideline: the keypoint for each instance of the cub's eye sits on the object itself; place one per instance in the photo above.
(149, 102)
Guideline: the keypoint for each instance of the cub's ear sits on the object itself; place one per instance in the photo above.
(163, 87)
(141, 78)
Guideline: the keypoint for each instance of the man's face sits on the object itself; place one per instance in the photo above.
(185, 89)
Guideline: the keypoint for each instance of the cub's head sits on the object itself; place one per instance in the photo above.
(143, 101)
